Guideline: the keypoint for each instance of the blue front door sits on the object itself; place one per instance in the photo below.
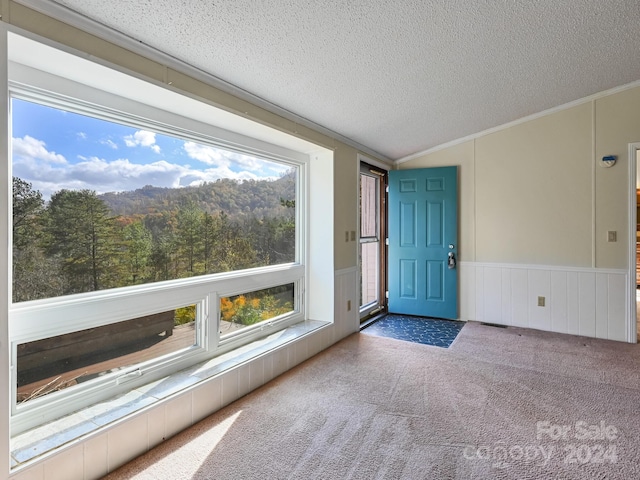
(423, 242)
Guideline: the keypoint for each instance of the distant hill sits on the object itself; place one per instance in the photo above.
(258, 198)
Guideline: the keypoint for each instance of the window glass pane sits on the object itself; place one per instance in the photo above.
(239, 312)
(98, 205)
(368, 206)
(369, 255)
(60, 362)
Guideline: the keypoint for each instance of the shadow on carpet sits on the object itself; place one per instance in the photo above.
(427, 331)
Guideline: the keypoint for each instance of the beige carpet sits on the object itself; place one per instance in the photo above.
(499, 404)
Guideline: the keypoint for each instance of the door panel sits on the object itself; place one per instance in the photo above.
(408, 221)
(423, 231)
(408, 279)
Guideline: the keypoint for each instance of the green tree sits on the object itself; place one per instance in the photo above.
(233, 251)
(185, 315)
(27, 210)
(210, 231)
(34, 275)
(138, 243)
(81, 234)
(189, 236)
(162, 256)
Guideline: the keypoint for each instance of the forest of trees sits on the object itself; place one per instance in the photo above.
(80, 241)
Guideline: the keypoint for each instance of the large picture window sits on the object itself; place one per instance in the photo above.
(98, 205)
(134, 234)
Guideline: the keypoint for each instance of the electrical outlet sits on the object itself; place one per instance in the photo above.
(612, 236)
(346, 236)
(541, 301)
(353, 235)
(348, 305)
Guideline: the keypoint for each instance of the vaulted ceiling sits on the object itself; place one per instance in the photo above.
(398, 77)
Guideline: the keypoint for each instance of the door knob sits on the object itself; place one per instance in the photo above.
(451, 261)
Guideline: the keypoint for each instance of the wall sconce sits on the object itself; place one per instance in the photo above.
(608, 161)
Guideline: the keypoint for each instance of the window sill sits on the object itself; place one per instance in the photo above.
(46, 438)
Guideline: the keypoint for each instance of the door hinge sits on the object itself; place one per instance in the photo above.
(386, 241)
(386, 294)
(386, 189)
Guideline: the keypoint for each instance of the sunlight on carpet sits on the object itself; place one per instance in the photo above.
(192, 455)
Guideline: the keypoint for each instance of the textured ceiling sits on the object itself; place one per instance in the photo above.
(397, 77)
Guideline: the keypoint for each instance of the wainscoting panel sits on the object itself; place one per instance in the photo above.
(493, 296)
(559, 298)
(507, 304)
(346, 320)
(519, 299)
(467, 290)
(587, 303)
(618, 314)
(578, 301)
(573, 304)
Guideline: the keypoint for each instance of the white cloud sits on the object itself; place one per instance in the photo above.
(109, 143)
(117, 175)
(82, 135)
(31, 148)
(206, 154)
(142, 138)
(50, 172)
(247, 166)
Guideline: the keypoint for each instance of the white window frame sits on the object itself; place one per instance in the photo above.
(93, 309)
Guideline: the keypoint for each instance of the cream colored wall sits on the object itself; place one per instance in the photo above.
(617, 123)
(345, 159)
(346, 182)
(533, 193)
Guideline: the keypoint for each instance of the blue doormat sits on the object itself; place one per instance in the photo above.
(428, 331)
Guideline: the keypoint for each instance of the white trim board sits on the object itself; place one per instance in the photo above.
(632, 327)
(545, 267)
(590, 302)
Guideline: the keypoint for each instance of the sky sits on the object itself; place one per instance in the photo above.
(54, 150)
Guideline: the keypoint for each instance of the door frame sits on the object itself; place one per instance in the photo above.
(382, 270)
(632, 318)
(435, 310)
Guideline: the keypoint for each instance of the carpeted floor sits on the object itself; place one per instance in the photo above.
(428, 331)
(498, 404)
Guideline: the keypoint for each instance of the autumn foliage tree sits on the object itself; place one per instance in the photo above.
(253, 308)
